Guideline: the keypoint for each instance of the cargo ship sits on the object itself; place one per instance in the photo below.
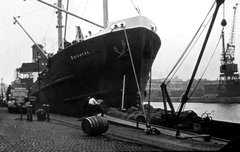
(116, 63)
(96, 66)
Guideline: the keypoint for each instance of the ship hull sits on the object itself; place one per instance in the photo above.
(96, 67)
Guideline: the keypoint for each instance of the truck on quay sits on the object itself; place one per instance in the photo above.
(18, 97)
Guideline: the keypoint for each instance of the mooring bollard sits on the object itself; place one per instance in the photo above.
(21, 111)
(46, 109)
(47, 112)
(30, 112)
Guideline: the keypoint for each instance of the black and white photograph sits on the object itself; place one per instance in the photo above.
(119, 75)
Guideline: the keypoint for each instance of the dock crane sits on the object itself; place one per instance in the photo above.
(185, 97)
(228, 69)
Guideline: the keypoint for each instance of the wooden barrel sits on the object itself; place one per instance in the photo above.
(95, 125)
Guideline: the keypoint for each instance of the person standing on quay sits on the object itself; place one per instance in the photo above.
(94, 106)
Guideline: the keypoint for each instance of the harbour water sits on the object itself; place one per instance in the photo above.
(229, 112)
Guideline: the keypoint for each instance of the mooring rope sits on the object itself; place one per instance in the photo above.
(135, 75)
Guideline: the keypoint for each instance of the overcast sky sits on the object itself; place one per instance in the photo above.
(176, 20)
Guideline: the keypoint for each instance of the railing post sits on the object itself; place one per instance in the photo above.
(47, 112)
(46, 109)
(29, 112)
(21, 111)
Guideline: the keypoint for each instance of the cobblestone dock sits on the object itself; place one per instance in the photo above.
(59, 134)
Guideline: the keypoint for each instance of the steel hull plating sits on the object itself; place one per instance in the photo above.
(95, 67)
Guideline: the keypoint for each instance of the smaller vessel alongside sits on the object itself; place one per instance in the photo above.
(183, 120)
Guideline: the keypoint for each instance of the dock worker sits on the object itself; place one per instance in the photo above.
(94, 106)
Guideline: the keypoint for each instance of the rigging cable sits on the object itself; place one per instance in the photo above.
(223, 23)
(189, 44)
(16, 21)
(136, 8)
(223, 10)
(84, 9)
(60, 9)
(49, 25)
(205, 68)
(189, 50)
(201, 75)
(66, 19)
(185, 96)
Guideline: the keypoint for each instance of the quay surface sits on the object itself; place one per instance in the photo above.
(60, 134)
(63, 133)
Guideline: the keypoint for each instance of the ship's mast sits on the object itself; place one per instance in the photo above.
(105, 13)
(70, 13)
(66, 19)
(59, 22)
(59, 26)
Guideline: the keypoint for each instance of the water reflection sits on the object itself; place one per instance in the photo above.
(224, 112)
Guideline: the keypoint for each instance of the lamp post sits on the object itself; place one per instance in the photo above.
(39, 83)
